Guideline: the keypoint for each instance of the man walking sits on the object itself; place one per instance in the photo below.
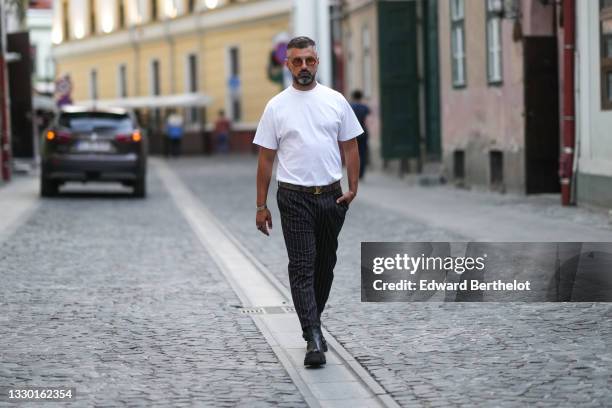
(361, 111)
(304, 124)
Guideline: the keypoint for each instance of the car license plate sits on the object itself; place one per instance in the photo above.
(90, 146)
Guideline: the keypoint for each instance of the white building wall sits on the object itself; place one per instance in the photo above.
(40, 22)
(311, 18)
(594, 141)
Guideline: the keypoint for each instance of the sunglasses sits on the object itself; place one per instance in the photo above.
(297, 61)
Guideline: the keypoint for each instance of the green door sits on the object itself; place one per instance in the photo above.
(399, 87)
(433, 146)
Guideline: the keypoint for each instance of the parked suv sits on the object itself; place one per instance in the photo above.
(84, 144)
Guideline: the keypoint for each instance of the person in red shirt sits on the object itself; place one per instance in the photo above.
(222, 132)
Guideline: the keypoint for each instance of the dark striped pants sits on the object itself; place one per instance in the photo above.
(311, 225)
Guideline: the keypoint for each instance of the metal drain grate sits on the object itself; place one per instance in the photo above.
(252, 310)
(267, 310)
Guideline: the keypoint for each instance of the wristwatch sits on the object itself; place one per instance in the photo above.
(261, 207)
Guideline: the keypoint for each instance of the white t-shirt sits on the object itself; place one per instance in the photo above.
(305, 127)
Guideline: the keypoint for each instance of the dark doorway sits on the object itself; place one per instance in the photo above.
(459, 165)
(541, 115)
(20, 84)
(496, 168)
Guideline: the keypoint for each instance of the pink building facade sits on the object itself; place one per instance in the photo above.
(499, 74)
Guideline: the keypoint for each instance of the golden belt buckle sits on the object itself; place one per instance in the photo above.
(318, 190)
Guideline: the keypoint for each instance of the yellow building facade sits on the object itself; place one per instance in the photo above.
(120, 49)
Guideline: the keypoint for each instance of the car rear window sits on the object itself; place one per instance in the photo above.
(98, 121)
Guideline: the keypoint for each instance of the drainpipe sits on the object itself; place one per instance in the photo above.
(5, 126)
(420, 45)
(566, 160)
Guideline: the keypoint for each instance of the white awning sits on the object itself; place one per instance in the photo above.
(161, 101)
(43, 103)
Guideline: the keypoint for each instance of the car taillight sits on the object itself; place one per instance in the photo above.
(64, 137)
(135, 137)
(59, 137)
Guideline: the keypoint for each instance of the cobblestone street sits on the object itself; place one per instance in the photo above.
(436, 354)
(118, 298)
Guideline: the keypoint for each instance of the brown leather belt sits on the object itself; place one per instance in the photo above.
(313, 190)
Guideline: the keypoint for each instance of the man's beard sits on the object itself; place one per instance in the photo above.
(304, 78)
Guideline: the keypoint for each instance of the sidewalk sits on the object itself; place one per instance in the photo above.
(486, 216)
(18, 199)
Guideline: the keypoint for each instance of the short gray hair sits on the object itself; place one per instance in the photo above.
(301, 42)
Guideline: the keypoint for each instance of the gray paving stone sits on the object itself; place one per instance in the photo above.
(467, 354)
(117, 297)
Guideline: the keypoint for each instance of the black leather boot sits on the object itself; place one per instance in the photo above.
(315, 356)
(306, 337)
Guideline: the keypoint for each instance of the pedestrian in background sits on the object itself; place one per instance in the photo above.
(361, 111)
(174, 132)
(306, 123)
(222, 133)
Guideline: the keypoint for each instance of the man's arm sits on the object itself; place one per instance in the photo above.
(351, 157)
(263, 219)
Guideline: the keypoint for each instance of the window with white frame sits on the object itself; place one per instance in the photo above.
(191, 85)
(366, 69)
(122, 81)
(234, 91)
(154, 84)
(458, 42)
(494, 45)
(155, 89)
(93, 84)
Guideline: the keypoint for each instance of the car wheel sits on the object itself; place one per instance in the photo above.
(48, 188)
(140, 187)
